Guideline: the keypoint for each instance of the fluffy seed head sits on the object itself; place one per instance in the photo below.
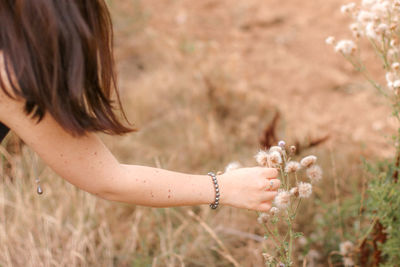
(293, 149)
(294, 191)
(365, 17)
(273, 211)
(370, 31)
(308, 161)
(346, 248)
(276, 148)
(282, 199)
(396, 65)
(348, 262)
(263, 218)
(347, 8)
(275, 158)
(330, 40)
(314, 173)
(382, 28)
(262, 158)
(292, 166)
(390, 79)
(305, 190)
(232, 166)
(346, 47)
(396, 84)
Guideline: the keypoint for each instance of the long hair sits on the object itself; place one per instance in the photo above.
(59, 59)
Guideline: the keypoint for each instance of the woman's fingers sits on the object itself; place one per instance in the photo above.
(268, 196)
(264, 207)
(270, 173)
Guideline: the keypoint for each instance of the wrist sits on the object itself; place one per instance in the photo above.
(224, 188)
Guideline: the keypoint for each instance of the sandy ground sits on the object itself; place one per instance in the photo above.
(273, 50)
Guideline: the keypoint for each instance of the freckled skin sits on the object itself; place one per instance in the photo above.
(87, 163)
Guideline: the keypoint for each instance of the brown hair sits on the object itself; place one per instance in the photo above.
(60, 52)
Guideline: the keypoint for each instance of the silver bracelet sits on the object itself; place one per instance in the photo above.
(214, 205)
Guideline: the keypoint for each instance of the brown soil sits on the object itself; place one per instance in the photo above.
(273, 49)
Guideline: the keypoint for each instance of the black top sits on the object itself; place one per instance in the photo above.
(3, 131)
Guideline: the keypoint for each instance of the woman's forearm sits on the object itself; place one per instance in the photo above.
(155, 187)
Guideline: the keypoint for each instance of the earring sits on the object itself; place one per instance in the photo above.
(39, 189)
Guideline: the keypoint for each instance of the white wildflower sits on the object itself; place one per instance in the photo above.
(292, 166)
(273, 211)
(294, 191)
(308, 161)
(276, 148)
(348, 262)
(346, 248)
(263, 218)
(368, 3)
(314, 173)
(396, 84)
(347, 8)
(347, 47)
(262, 158)
(382, 29)
(370, 31)
(365, 17)
(305, 190)
(275, 158)
(380, 9)
(330, 40)
(282, 200)
(396, 65)
(390, 79)
(392, 53)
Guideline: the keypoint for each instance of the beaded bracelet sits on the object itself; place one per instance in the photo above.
(214, 205)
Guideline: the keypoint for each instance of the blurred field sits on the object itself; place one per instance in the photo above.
(202, 80)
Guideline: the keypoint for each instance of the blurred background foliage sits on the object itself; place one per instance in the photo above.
(206, 83)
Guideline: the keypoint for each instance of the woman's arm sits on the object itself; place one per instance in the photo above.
(88, 164)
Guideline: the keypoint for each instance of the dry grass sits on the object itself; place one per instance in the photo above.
(201, 80)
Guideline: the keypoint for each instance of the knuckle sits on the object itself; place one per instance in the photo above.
(274, 172)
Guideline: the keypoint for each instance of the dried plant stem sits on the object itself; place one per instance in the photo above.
(365, 236)
(225, 252)
(337, 200)
(276, 241)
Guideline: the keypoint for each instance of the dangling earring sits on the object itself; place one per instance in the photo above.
(39, 189)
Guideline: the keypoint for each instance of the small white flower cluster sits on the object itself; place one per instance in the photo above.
(378, 21)
(277, 157)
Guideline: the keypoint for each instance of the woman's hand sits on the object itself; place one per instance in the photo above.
(251, 188)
